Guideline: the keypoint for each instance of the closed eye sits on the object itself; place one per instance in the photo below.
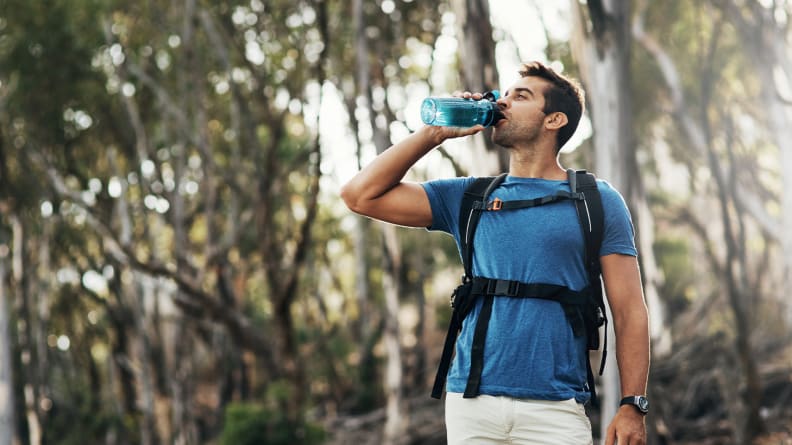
(524, 93)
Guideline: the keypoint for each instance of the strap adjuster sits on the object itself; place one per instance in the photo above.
(495, 205)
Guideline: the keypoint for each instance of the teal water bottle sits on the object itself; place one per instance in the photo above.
(458, 112)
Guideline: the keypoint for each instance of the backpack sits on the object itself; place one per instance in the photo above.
(585, 309)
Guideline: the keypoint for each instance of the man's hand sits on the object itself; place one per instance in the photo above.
(440, 134)
(628, 427)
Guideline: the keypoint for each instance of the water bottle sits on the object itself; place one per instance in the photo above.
(459, 112)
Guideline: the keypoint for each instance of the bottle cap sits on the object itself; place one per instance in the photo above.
(492, 95)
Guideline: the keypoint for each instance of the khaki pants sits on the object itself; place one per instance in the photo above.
(505, 420)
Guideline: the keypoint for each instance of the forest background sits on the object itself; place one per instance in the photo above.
(176, 265)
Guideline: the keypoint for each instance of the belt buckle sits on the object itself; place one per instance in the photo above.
(507, 288)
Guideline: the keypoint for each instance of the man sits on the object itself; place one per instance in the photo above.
(533, 382)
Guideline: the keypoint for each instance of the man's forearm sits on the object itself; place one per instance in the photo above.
(632, 351)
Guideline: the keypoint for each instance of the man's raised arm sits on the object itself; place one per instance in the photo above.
(377, 191)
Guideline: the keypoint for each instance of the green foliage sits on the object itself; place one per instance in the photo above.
(674, 258)
(257, 123)
(253, 424)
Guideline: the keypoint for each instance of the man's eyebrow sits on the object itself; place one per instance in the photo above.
(520, 89)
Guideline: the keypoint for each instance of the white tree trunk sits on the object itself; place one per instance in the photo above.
(602, 81)
(396, 418)
(604, 54)
(779, 112)
(395, 423)
(30, 385)
(7, 415)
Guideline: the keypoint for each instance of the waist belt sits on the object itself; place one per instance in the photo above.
(464, 299)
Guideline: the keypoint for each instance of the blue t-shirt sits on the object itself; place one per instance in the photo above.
(530, 351)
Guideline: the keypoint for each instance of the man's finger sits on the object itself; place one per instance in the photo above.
(610, 437)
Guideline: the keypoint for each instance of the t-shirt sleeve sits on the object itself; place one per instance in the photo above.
(619, 233)
(445, 197)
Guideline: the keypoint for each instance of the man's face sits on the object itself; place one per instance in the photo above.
(522, 106)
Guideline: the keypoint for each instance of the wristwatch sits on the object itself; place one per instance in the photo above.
(640, 403)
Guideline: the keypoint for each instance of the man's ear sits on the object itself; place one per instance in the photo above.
(556, 120)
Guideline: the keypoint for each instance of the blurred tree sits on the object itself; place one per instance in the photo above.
(695, 107)
(377, 74)
(7, 412)
(161, 122)
(764, 32)
(602, 44)
(479, 73)
(173, 246)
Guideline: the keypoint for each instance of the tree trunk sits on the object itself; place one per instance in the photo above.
(396, 418)
(141, 293)
(395, 425)
(28, 354)
(767, 41)
(184, 428)
(733, 266)
(422, 363)
(745, 414)
(7, 414)
(604, 58)
(479, 73)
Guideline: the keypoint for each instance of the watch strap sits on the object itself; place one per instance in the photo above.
(641, 403)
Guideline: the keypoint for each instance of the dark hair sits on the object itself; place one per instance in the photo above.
(564, 95)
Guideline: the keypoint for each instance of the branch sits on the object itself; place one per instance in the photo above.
(458, 169)
(685, 215)
(695, 133)
(200, 303)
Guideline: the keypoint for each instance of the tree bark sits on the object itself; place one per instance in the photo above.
(604, 57)
(395, 424)
(767, 41)
(7, 412)
(479, 72)
(29, 357)
(733, 267)
(396, 419)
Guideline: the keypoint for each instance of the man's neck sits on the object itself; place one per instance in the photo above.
(535, 163)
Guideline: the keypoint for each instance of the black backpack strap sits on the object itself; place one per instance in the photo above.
(592, 223)
(590, 214)
(473, 203)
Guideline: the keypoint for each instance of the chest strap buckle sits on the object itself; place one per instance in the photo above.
(495, 205)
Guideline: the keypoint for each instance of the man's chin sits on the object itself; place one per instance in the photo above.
(500, 141)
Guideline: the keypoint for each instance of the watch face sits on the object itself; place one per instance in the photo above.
(640, 403)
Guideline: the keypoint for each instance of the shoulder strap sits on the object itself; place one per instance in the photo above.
(592, 223)
(473, 202)
(590, 214)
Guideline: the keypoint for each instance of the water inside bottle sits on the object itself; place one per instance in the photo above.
(457, 112)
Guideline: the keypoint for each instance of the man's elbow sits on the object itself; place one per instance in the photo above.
(352, 198)
(634, 318)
